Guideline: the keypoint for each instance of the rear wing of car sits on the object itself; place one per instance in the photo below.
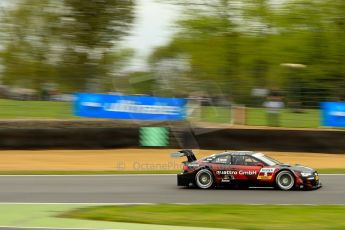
(185, 153)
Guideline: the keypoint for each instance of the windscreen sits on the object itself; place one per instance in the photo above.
(266, 159)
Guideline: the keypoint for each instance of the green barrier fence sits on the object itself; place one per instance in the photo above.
(154, 137)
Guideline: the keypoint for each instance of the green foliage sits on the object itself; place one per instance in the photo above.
(25, 45)
(242, 46)
(72, 43)
(140, 83)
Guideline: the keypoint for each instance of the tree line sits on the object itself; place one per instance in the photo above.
(222, 47)
(295, 47)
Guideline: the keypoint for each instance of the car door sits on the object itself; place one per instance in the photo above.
(246, 168)
(221, 166)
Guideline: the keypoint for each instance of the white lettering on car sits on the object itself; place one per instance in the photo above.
(241, 172)
(247, 173)
(226, 172)
(267, 170)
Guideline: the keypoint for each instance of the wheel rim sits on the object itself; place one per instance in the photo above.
(285, 181)
(204, 179)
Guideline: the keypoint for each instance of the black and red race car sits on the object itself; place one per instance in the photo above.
(243, 168)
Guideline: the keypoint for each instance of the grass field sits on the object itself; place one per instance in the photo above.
(221, 216)
(11, 109)
(310, 118)
(44, 216)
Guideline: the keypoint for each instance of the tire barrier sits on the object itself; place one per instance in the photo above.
(288, 140)
(323, 141)
(70, 138)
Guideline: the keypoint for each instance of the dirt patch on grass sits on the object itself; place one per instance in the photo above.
(134, 159)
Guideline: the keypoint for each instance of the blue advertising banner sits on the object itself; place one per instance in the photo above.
(129, 107)
(333, 114)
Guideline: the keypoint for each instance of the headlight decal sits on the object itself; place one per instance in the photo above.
(306, 174)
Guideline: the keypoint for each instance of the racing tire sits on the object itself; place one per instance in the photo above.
(204, 179)
(285, 180)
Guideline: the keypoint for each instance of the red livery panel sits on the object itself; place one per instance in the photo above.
(244, 168)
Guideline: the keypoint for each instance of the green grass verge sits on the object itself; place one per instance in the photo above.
(12, 109)
(221, 216)
(216, 114)
(310, 118)
(325, 171)
(332, 171)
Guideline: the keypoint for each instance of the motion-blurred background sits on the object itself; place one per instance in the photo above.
(248, 59)
(115, 86)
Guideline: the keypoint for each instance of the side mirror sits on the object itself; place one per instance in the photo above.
(260, 164)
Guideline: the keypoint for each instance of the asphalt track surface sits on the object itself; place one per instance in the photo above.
(107, 189)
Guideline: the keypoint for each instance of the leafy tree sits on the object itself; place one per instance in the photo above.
(29, 36)
(244, 44)
(92, 30)
(72, 43)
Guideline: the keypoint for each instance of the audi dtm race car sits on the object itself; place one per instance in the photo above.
(244, 168)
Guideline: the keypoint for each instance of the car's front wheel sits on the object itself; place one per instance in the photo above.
(204, 179)
(285, 180)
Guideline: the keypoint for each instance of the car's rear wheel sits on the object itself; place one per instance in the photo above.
(285, 180)
(204, 179)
